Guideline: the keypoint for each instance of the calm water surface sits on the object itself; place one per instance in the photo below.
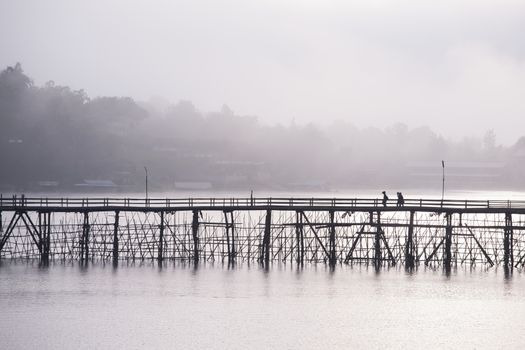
(213, 307)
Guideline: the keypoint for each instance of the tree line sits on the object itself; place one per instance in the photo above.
(54, 136)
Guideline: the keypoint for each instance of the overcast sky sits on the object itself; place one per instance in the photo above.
(456, 66)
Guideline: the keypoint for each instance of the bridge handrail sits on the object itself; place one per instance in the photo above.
(129, 202)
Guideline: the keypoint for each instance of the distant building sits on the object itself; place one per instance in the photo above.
(237, 172)
(312, 185)
(456, 173)
(48, 184)
(96, 184)
(193, 185)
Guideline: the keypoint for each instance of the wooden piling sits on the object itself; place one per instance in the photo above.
(377, 239)
(195, 234)
(508, 246)
(299, 237)
(84, 242)
(232, 230)
(160, 253)
(44, 234)
(447, 253)
(115, 238)
(265, 251)
(48, 236)
(227, 224)
(409, 244)
(41, 224)
(332, 258)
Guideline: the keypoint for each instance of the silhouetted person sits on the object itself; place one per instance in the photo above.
(400, 199)
(385, 198)
(251, 197)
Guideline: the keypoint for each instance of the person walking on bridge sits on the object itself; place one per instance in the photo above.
(400, 199)
(385, 198)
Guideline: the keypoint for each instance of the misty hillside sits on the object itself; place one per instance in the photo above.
(53, 137)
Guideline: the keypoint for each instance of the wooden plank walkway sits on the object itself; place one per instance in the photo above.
(75, 204)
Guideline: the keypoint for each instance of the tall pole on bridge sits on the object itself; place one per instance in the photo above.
(146, 170)
(443, 184)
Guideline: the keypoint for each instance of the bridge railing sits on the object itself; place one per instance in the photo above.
(73, 202)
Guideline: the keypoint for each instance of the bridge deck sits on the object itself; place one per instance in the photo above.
(72, 204)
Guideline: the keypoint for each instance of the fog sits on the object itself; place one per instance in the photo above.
(57, 138)
(454, 66)
(275, 94)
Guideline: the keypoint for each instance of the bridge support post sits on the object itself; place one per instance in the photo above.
(84, 240)
(44, 233)
(299, 236)
(331, 249)
(508, 245)
(195, 234)
(265, 252)
(230, 242)
(160, 253)
(409, 244)
(233, 253)
(227, 224)
(41, 224)
(447, 254)
(48, 236)
(377, 239)
(115, 238)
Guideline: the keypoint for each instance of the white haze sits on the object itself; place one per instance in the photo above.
(456, 66)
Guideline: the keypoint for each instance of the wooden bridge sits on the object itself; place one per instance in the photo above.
(289, 230)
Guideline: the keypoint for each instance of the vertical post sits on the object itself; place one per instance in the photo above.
(409, 244)
(1, 223)
(160, 254)
(146, 170)
(265, 252)
(81, 240)
(299, 236)
(84, 240)
(447, 255)
(195, 233)
(86, 237)
(302, 240)
(232, 228)
(377, 240)
(508, 254)
(115, 238)
(443, 184)
(227, 235)
(303, 253)
(40, 233)
(332, 258)
(48, 236)
(44, 228)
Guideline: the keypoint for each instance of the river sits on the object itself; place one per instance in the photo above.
(138, 306)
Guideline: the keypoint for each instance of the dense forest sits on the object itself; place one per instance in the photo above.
(53, 137)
